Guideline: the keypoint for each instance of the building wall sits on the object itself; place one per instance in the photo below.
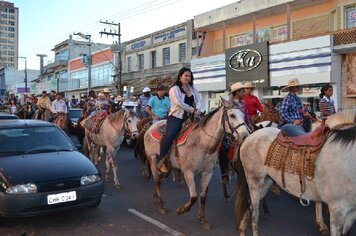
(348, 88)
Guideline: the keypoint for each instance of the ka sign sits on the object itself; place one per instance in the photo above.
(247, 63)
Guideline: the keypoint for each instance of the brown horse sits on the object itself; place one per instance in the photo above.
(61, 121)
(269, 113)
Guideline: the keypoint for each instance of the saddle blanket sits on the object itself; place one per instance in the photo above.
(181, 138)
(278, 158)
(93, 122)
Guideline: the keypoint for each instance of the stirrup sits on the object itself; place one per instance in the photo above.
(161, 167)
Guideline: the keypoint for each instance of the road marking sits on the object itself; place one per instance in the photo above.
(155, 222)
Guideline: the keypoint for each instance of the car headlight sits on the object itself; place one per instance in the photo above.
(89, 179)
(22, 189)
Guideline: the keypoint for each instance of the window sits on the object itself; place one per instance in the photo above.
(182, 52)
(11, 35)
(166, 56)
(62, 55)
(4, 16)
(3, 40)
(194, 51)
(129, 64)
(350, 15)
(11, 53)
(11, 29)
(141, 61)
(11, 22)
(12, 17)
(153, 59)
(11, 10)
(263, 35)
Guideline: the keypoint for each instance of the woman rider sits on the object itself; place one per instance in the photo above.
(185, 99)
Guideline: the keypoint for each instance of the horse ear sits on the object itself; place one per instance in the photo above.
(224, 102)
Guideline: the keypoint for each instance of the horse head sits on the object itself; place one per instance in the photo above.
(131, 120)
(234, 120)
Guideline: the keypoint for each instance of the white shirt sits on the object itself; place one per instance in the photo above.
(177, 101)
(59, 106)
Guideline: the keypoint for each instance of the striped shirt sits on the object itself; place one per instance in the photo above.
(329, 105)
(291, 109)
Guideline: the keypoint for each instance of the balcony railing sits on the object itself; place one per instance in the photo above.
(343, 37)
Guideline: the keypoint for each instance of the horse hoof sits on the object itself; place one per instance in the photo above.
(325, 232)
(180, 210)
(206, 226)
(162, 211)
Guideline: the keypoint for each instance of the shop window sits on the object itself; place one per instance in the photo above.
(279, 33)
(129, 64)
(153, 59)
(263, 35)
(350, 16)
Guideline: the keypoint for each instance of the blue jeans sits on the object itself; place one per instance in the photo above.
(174, 125)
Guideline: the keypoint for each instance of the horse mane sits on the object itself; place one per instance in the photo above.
(208, 116)
(347, 115)
(344, 133)
(116, 116)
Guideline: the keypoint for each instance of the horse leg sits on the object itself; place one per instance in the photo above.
(350, 218)
(107, 170)
(226, 194)
(319, 218)
(337, 220)
(204, 182)
(189, 178)
(180, 178)
(157, 184)
(265, 208)
(112, 158)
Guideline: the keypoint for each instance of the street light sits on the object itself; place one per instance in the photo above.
(25, 72)
(87, 37)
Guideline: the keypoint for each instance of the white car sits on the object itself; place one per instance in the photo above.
(132, 106)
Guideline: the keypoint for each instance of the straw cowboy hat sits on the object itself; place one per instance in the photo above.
(100, 95)
(106, 90)
(249, 84)
(236, 86)
(291, 83)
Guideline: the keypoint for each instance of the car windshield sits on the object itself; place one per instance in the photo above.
(27, 140)
(74, 113)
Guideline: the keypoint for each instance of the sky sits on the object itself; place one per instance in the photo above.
(45, 23)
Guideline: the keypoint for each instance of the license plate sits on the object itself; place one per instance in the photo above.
(61, 197)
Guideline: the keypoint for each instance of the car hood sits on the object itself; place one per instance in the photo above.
(34, 168)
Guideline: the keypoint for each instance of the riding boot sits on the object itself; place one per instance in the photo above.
(161, 166)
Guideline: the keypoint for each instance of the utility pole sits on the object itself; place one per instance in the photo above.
(88, 37)
(118, 66)
(25, 72)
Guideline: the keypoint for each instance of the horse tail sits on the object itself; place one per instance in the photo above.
(243, 194)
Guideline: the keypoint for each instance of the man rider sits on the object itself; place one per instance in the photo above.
(158, 105)
(59, 106)
(43, 103)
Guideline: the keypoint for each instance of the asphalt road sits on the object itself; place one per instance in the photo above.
(131, 211)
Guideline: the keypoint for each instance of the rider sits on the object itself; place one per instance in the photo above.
(101, 103)
(291, 110)
(185, 99)
(252, 103)
(158, 105)
(143, 101)
(89, 105)
(59, 106)
(43, 104)
(237, 91)
(73, 102)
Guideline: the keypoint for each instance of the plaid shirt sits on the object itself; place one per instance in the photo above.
(291, 108)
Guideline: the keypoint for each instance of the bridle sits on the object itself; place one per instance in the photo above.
(126, 127)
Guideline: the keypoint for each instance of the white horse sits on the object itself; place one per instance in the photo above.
(110, 137)
(197, 155)
(334, 182)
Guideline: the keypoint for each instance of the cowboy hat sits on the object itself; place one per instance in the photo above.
(106, 90)
(236, 86)
(291, 83)
(146, 89)
(101, 95)
(249, 84)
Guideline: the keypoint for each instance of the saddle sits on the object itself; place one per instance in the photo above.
(295, 151)
(94, 122)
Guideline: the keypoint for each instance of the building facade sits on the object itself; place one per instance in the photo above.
(9, 35)
(156, 58)
(300, 44)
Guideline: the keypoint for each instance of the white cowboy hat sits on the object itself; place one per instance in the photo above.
(146, 89)
(249, 84)
(100, 95)
(236, 86)
(106, 90)
(291, 83)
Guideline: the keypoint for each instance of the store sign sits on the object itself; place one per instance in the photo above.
(138, 44)
(172, 34)
(245, 60)
(248, 63)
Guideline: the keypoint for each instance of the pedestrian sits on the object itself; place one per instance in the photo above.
(12, 106)
(143, 101)
(251, 102)
(185, 100)
(237, 91)
(326, 103)
(158, 105)
(291, 110)
(73, 102)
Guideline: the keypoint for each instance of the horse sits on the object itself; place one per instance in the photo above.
(24, 111)
(110, 137)
(269, 113)
(345, 116)
(197, 155)
(61, 121)
(335, 169)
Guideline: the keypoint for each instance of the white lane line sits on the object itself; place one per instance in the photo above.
(155, 222)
